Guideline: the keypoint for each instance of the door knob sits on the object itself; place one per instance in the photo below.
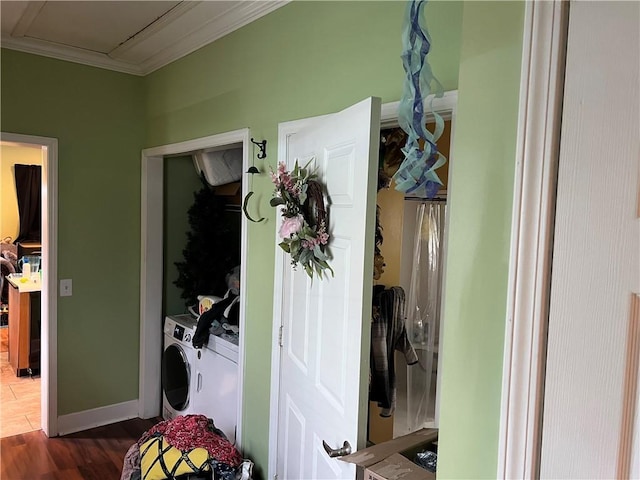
(338, 452)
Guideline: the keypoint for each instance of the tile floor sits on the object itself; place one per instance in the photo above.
(19, 396)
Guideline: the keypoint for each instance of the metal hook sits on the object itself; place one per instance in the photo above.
(263, 148)
(246, 212)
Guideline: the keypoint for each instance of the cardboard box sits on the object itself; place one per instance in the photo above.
(392, 460)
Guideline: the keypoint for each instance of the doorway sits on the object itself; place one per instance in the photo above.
(408, 272)
(45, 415)
(151, 281)
(298, 436)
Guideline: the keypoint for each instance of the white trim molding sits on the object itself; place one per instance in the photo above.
(97, 417)
(185, 29)
(151, 321)
(538, 142)
(49, 305)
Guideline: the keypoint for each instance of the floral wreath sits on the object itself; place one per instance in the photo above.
(304, 225)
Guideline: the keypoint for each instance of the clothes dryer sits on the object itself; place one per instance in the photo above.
(216, 384)
(178, 366)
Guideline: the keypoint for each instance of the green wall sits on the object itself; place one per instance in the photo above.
(98, 118)
(180, 184)
(479, 237)
(305, 59)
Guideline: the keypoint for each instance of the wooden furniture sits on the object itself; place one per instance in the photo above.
(29, 248)
(24, 321)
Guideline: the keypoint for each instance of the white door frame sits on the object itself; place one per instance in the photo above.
(538, 140)
(445, 106)
(150, 393)
(49, 299)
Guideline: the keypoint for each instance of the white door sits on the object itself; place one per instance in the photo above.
(591, 399)
(324, 357)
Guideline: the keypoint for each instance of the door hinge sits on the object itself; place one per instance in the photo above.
(275, 477)
(280, 336)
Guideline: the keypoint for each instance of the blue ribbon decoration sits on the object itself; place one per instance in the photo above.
(416, 175)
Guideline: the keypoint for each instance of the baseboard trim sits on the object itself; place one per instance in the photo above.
(97, 417)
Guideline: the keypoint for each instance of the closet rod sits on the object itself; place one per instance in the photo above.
(420, 199)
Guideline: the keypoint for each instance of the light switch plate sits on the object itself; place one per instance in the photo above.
(66, 287)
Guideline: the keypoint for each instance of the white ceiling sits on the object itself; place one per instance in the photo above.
(135, 37)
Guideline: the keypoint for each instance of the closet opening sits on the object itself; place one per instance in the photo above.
(202, 227)
(194, 239)
(201, 297)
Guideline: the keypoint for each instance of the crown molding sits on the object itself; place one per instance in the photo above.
(203, 34)
(218, 27)
(70, 54)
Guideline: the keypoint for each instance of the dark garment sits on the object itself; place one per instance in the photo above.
(29, 192)
(388, 333)
(6, 268)
(216, 312)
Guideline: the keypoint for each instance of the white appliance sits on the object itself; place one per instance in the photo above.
(216, 384)
(218, 166)
(178, 366)
(203, 381)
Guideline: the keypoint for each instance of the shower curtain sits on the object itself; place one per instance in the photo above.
(423, 312)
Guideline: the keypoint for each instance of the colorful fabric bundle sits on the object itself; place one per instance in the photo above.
(159, 460)
(197, 431)
(187, 447)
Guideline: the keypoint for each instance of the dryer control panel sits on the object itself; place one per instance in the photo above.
(178, 332)
(180, 327)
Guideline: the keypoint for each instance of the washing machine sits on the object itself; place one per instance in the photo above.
(216, 384)
(178, 366)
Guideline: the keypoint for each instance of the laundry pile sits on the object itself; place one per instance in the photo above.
(223, 316)
(187, 447)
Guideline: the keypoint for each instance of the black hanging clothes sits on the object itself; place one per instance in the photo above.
(29, 193)
(216, 312)
(388, 333)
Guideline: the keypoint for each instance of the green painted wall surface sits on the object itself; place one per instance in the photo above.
(305, 59)
(98, 118)
(479, 238)
(180, 183)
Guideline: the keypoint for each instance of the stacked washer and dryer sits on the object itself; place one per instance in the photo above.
(199, 381)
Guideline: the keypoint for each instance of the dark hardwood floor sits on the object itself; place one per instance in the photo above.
(95, 454)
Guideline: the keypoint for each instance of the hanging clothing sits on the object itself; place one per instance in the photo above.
(216, 312)
(28, 180)
(388, 334)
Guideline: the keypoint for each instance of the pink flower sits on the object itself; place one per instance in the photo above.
(323, 238)
(291, 226)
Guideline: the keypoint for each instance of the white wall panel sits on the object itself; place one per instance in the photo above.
(596, 259)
